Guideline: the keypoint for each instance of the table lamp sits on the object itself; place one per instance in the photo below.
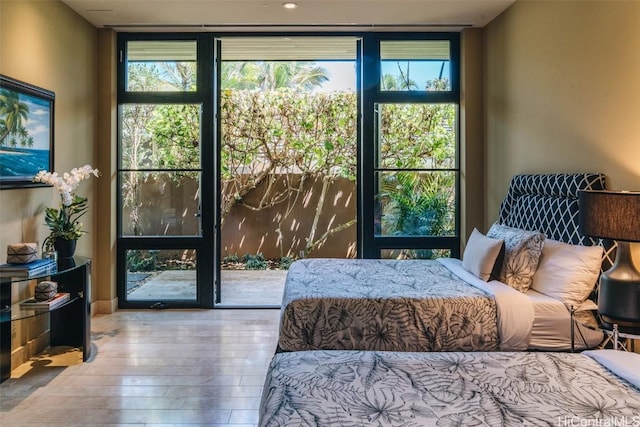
(615, 215)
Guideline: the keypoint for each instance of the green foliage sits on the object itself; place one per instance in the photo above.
(231, 259)
(285, 262)
(161, 76)
(297, 132)
(417, 253)
(12, 114)
(272, 75)
(254, 262)
(65, 222)
(278, 140)
(416, 205)
(175, 136)
(417, 136)
(139, 260)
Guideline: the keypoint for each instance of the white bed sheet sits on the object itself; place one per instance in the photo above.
(514, 310)
(548, 319)
(552, 325)
(622, 363)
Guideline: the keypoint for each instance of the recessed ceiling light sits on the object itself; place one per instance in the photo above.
(289, 5)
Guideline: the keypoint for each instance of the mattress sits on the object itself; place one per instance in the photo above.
(382, 305)
(391, 305)
(551, 328)
(357, 388)
(419, 305)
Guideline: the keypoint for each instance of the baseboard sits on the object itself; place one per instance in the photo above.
(104, 306)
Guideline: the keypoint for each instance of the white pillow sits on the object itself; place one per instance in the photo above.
(480, 255)
(522, 250)
(567, 272)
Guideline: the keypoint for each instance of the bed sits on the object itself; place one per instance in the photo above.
(439, 305)
(357, 388)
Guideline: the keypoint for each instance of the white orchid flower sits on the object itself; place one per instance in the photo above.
(65, 185)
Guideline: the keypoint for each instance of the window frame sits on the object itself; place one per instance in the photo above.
(368, 244)
(203, 95)
(371, 244)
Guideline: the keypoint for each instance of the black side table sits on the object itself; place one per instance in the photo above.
(69, 323)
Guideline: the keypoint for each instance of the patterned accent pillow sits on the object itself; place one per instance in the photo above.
(521, 257)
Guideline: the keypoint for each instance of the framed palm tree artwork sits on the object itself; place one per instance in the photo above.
(26, 132)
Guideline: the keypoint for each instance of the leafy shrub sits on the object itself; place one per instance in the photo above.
(254, 262)
(138, 260)
(231, 259)
(285, 262)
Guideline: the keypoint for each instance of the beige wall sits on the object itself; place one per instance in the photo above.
(48, 45)
(562, 93)
(104, 266)
(471, 132)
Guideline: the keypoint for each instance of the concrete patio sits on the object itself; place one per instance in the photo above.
(238, 287)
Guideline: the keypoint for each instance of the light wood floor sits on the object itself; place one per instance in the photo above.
(156, 367)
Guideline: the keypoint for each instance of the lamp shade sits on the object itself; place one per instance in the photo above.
(615, 215)
(611, 215)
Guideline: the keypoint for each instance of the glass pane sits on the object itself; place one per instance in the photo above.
(160, 136)
(161, 275)
(415, 204)
(415, 65)
(416, 136)
(414, 253)
(161, 66)
(160, 203)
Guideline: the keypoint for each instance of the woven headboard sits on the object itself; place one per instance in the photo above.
(548, 203)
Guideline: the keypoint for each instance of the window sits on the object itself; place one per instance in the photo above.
(414, 168)
(415, 65)
(160, 169)
(161, 143)
(161, 66)
(414, 253)
(198, 119)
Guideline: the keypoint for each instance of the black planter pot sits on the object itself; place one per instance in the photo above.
(65, 248)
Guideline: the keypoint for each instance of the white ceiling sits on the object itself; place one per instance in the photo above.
(267, 15)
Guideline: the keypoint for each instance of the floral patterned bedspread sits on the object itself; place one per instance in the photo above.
(391, 305)
(358, 388)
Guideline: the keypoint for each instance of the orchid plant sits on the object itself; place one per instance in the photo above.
(64, 222)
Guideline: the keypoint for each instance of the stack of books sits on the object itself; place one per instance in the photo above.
(47, 304)
(39, 267)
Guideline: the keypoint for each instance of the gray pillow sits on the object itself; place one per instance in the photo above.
(522, 251)
(480, 255)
